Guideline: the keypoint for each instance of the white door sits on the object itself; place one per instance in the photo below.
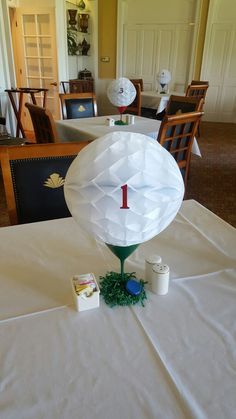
(34, 44)
(150, 48)
(219, 62)
(157, 37)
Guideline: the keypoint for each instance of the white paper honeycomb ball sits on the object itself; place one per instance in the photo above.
(94, 194)
(121, 92)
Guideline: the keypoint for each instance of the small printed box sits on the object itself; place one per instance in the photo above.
(85, 291)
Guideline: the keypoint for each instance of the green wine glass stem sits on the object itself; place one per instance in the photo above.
(122, 263)
(122, 253)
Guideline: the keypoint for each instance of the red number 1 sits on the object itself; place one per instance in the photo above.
(124, 197)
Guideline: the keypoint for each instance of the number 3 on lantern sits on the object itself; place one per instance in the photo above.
(124, 197)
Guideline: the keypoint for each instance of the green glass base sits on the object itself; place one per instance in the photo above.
(122, 252)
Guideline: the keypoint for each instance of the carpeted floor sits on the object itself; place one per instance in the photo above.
(212, 180)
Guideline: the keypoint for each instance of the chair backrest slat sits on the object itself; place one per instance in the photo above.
(200, 82)
(176, 134)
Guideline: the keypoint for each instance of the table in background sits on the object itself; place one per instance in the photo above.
(154, 100)
(173, 358)
(88, 129)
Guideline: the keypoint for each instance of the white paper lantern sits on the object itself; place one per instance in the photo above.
(163, 78)
(124, 188)
(121, 92)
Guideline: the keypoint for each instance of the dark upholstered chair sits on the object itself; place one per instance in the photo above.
(176, 134)
(43, 124)
(183, 104)
(78, 105)
(33, 177)
(135, 107)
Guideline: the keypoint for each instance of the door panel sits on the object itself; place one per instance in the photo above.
(36, 60)
(155, 47)
(219, 62)
(130, 49)
(219, 68)
(147, 52)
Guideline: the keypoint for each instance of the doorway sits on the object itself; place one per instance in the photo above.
(8, 74)
(35, 57)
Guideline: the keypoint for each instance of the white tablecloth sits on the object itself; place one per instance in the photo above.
(155, 100)
(88, 129)
(173, 358)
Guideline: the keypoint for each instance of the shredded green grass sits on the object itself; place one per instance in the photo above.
(112, 288)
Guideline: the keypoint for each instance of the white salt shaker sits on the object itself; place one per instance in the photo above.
(149, 263)
(160, 279)
(132, 119)
(127, 119)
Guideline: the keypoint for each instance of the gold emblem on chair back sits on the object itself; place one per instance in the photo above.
(54, 181)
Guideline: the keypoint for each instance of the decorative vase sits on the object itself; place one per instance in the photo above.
(83, 22)
(81, 5)
(85, 47)
(80, 49)
(72, 18)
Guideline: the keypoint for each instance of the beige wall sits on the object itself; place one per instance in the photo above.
(107, 19)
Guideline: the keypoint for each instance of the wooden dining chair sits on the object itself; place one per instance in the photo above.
(197, 90)
(135, 107)
(43, 124)
(182, 104)
(176, 134)
(78, 105)
(33, 177)
(197, 82)
(140, 81)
